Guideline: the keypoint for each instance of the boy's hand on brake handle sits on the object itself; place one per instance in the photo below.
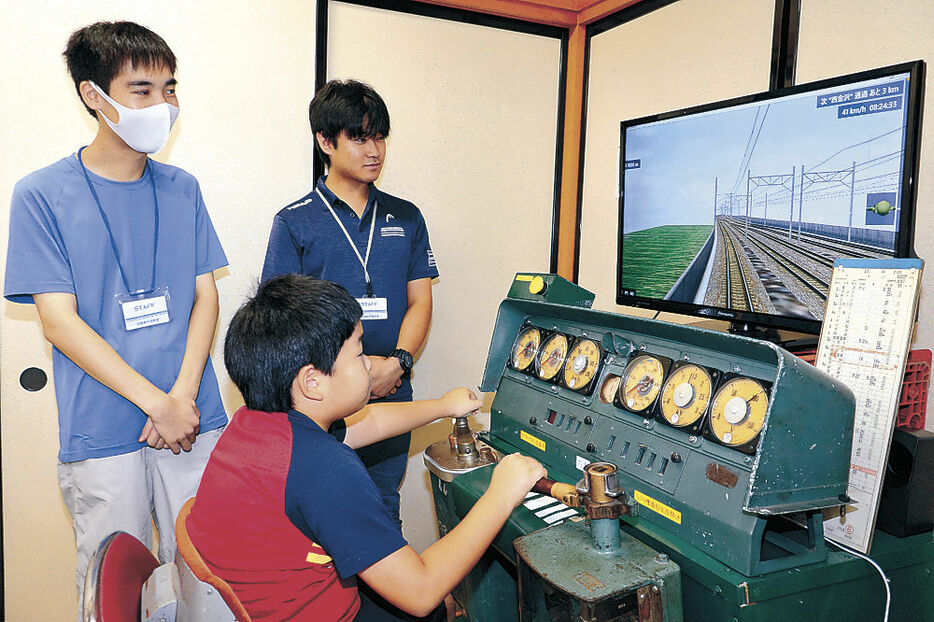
(514, 477)
(461, 402)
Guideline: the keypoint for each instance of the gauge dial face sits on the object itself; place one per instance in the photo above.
(738, 411)
(525, 348)
(609, 389)
(582, 364)
(552, 356)
(685, 395)
(641, 382)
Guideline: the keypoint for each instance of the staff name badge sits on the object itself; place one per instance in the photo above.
(145, 308)
(374, 308)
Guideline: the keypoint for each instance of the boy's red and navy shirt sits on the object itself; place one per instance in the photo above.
(287, 515)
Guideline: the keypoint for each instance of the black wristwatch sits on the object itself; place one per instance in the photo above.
(405, 360)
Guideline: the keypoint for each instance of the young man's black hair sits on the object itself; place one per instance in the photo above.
(100, 51)
(349, 106)
(292, 321)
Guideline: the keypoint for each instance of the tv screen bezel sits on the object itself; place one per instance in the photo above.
(906, 200)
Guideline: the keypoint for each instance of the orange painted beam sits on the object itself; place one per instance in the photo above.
(568, 225)
(563, 14)
(602, 8)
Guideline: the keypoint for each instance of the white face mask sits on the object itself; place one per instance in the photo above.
(144, 129)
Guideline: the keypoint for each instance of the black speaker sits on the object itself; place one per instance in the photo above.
(907, 504)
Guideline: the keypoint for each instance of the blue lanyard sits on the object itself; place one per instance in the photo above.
(113, 242)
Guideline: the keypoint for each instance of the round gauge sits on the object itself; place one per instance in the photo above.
(582, 364)
(609, 389)
(685, 395)
(738, 411)
(525, 348)
(641, 382)
(551, 357)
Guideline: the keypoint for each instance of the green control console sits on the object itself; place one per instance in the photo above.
(729, 451)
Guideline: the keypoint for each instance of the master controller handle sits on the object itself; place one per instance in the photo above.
(565, 493)
(598, 492)
(464, 443)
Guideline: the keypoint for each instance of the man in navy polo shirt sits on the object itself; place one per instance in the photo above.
(373, 244)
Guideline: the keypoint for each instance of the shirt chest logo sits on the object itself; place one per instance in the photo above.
(317, 558)
(388, 231)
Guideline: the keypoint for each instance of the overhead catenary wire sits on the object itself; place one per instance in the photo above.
(869, 140)
(747, 158)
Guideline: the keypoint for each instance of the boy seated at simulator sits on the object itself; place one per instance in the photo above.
(286, 512)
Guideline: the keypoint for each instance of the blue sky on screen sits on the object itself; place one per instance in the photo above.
(679, 159)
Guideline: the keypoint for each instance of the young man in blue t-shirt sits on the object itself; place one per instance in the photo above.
(286, 512)
(117, 253)
(375, 245)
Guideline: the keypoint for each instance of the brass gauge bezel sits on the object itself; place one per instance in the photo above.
(744, 433)
(630, 396)
(529, 366)
(583, 380)
(686, 396)
(549, 369)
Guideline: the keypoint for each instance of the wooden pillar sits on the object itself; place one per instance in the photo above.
(568, 206)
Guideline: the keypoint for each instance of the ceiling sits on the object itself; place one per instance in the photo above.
(565, 13)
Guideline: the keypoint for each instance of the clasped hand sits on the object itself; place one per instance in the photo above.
(385, 376)
(174, 422)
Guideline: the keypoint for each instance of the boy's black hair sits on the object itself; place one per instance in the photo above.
(100, 51)
(292, 321)
(350, 106)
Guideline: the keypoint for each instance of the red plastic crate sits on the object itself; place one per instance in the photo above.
(912, 404)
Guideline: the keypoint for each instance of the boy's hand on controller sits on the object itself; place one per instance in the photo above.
(514, 477)
(461, 402)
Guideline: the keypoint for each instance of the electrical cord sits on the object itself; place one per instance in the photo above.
(885, 579)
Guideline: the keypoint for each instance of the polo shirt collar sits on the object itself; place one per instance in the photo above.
(334, 200)
(338, 429)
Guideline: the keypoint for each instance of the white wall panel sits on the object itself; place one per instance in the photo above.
(688, 53)
(474, 120)
(845, 36)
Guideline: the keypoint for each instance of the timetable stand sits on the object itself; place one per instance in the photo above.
(868, 323)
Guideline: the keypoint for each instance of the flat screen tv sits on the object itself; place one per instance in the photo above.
(736, 210)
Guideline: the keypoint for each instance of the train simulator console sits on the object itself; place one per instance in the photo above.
(689, 470)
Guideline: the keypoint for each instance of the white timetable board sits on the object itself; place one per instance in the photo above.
(864, 341)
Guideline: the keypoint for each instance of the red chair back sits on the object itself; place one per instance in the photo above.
(117, 573)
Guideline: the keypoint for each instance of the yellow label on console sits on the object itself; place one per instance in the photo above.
(523, 277)
(531, 440)
(657, 506)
